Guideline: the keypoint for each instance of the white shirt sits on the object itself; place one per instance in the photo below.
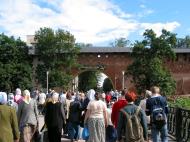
(96, 108)
(109, 111)
(62, 98)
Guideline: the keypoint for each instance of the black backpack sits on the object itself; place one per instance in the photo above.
(158, 114)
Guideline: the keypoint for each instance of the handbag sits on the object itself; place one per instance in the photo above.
(85, 133)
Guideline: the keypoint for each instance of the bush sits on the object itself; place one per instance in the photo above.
(183, 102)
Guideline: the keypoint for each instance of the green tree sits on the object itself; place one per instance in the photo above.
(82, 45)
(107, 85)
(15, 64)
(183, 42)
(148, 67)
(88, 80)
(120, 42)
(57, 52)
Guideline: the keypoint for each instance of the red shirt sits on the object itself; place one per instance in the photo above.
(108, 98)
(115, 110)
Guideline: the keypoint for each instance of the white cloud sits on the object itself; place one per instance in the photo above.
(91, 21)
(142, 6)
(157, 27)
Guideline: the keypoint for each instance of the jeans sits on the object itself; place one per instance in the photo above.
(73, 130)
(163, 133)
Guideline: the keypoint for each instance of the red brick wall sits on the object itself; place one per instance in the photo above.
(115, 63)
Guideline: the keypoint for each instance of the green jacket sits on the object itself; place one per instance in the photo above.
(8, 124)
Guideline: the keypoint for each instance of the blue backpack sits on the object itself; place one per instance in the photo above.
(158, 114)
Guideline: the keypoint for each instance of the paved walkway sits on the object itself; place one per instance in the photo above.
(41, 122)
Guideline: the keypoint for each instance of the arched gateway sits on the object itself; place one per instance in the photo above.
(114, 61)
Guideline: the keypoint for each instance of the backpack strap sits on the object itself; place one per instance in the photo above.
(137, 110)
(127, 115)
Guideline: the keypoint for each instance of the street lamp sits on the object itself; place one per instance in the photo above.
(123, 79)
(47, 73)
(115, 82)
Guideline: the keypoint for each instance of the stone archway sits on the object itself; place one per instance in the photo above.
(109, 64)
(76, 74)
(115, 60)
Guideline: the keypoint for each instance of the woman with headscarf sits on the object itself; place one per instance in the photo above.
(54, 118)
(96, 119)
(85, 101)
(9, 131)
(18, 96)
(27, 117)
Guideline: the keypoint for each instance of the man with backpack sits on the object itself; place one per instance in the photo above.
(157, 108)
(132, 122)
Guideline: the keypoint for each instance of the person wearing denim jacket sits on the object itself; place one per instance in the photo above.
(149, 108)
(131, 109)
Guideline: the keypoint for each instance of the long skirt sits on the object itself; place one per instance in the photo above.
(96, 128)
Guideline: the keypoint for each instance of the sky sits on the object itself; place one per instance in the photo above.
(98, 22)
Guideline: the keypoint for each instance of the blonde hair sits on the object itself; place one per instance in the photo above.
(155, 90)
(55, 97)
(148, 93)
(26, 93)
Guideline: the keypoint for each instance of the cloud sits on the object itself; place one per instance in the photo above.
(142, 6)
(91, 21)
(157, 27)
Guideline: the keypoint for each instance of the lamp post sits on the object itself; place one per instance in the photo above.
(123, 79)
(47, 74)
(115, 82)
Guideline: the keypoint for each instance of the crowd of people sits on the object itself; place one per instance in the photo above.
(111, 117)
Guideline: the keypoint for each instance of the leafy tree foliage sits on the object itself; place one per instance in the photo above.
(120, 42)
(183, 42)
(57, 53)
(88, 80)
(107, 85)
(148, 67)
(82, 45)
(15, 64)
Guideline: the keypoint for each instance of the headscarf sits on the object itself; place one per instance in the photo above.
(3, 98)
(18, 96)
(90, 94)
(26, 95)
(130, 96)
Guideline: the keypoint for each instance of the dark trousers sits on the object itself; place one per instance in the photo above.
(54, 134)
(73, 130)
(111, 134)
